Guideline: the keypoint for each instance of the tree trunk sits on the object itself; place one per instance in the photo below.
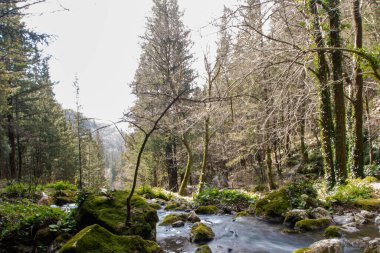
(271, 184)
(171, 166)
(369, 130)
(206, 140)
(326, 123)
(358, 151)
(338, 90)
(304, 154)
(12, 143)
(189, 164)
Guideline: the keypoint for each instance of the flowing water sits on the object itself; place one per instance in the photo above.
(245, 235)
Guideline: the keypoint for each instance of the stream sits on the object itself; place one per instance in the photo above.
(246, 235)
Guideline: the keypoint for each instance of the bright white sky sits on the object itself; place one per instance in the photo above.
(98, 40)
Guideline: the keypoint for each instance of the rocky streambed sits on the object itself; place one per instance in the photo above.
(253, 235)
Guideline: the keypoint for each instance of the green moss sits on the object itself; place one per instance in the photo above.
(368, 204)
(97, 239)
(171, 205)
(203, 249)
(332, 232)
(242, 214)
(171, 218)
(201, 233)
(155, 206)
(349, 193)
(206, 209)
(110, 212)
(236, 200)
(152, 193)
(274, 205)
(312, 224)
(301, 250)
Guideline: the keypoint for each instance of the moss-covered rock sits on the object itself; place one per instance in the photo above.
(62, 197)
(110, 212)
(201, 233)
(293, 216)
(368, 204)
(301, 250)
(45, 236)
(273, 206)
(203, 249)
(156, 206)
(332, 232)
(242, 214)
(193, 217)
(98, 239)
(171, 218)
(319, 212)
(312, 224)
(206, 209)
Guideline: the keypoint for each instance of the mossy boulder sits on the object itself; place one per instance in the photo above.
(368, 204)
(172, 218)
(62, 197)
(201, 233)
(206, 209)
(294, 216)
(312, 224)
(332, 232)
(156, 206)
(242, 214)
(177, 205)
(45, 236)
(96, 239)
(203, 249)
(273, 206)
(110, 212)
(193, 217)
(301, 250)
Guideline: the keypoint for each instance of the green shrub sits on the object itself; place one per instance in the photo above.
(19, 216)
(349, 193)
(19, 190)
(234, 199)
(152, 193)
(301, 194)
(62, 185)
(372, 170)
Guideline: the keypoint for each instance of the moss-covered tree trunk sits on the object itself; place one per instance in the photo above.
(268, 159)
(369, 129)
(326, 122)
(338, 90)
(189, 164)
(358, 149)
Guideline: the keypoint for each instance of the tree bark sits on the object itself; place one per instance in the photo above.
(271, 184)
(171, 166)
(338, 90)
(326, 123)
(189, 164)
(358, 150)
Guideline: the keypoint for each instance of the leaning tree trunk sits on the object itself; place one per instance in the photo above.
(358, 150)
(326, 123)
(338, 90)
(189, 164)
